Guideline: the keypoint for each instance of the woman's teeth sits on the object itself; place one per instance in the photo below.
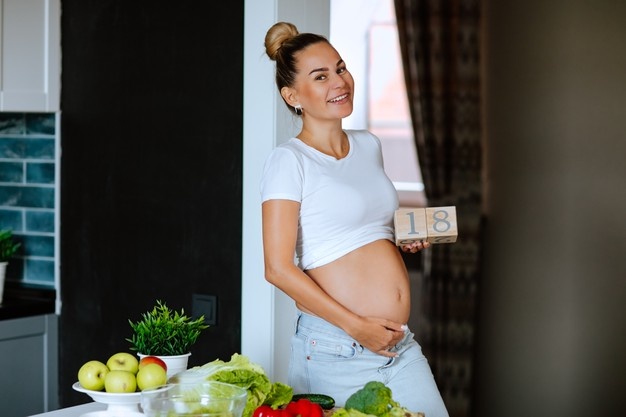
(336, 99)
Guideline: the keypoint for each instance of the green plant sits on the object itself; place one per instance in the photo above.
(165, 332)
(8, 246)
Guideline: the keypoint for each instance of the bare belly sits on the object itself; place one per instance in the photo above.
(370, 281)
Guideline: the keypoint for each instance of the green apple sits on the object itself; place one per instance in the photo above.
(150, 376)
(123, 361)
(92, 374)
(120, 381)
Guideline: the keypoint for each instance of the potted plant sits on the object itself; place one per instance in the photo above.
(167, 334)
(8, 248)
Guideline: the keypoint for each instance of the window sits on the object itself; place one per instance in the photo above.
(366, 35)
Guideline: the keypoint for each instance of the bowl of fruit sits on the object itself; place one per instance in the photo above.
(118, 382)
(197, 399)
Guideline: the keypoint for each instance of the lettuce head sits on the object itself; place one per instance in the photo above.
(242, 372)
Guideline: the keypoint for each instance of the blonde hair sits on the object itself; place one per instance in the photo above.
(282, 43)
(278, 34)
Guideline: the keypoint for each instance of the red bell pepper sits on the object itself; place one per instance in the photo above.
(300, 408)
(305, 408)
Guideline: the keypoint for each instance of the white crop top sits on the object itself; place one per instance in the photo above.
(344, 204)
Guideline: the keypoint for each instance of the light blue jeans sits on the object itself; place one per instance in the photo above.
(325, 360)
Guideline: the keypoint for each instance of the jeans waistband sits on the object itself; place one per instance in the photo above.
(318, 324)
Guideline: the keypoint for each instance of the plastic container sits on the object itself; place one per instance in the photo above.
(194, 399)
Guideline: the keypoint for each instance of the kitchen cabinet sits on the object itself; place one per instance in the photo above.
(29, 365)
(30, 65)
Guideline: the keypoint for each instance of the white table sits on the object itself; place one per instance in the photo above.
(75, 411)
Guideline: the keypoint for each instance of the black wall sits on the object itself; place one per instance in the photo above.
(151, 170)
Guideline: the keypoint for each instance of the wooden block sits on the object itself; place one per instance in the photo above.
(431, 224)
(410, 225)
(441, 224)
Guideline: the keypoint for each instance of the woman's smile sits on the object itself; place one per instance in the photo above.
(339, 99)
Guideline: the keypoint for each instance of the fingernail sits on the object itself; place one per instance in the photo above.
(404, 327)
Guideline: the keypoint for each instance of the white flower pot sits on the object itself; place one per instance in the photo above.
(175, 364)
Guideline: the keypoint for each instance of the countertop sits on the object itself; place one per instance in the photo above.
(25, 300)
(91, 408)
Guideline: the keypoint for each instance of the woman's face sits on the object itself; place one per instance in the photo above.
(323, 85)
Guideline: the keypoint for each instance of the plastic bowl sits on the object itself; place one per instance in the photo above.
(194, 399)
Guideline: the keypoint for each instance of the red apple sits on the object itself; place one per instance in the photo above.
(147, 360)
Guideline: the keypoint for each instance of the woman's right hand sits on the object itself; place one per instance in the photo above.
(379, 335)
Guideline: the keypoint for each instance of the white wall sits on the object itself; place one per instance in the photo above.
(552, 339)
(267, 314)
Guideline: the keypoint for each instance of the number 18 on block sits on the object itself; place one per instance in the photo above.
(430, 224)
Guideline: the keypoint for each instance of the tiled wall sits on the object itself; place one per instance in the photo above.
(27, 193)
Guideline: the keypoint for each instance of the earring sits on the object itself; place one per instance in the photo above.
(298, 109)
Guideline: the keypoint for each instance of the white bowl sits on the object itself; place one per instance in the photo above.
(127, 402)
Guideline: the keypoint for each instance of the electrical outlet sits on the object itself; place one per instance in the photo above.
(205, 305)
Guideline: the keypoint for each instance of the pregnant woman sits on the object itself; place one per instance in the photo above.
(327, 200)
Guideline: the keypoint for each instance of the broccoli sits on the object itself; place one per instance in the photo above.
(374, 398)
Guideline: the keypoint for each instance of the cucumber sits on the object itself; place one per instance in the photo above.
(325, 401)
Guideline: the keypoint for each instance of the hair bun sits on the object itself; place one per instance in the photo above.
(277, 35)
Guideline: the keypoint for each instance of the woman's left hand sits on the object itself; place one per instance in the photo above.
(415, 246)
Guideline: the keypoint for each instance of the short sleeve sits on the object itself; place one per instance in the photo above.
(282, 176)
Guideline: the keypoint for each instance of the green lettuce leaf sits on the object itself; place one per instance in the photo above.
(280, 394)
(242, 372)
